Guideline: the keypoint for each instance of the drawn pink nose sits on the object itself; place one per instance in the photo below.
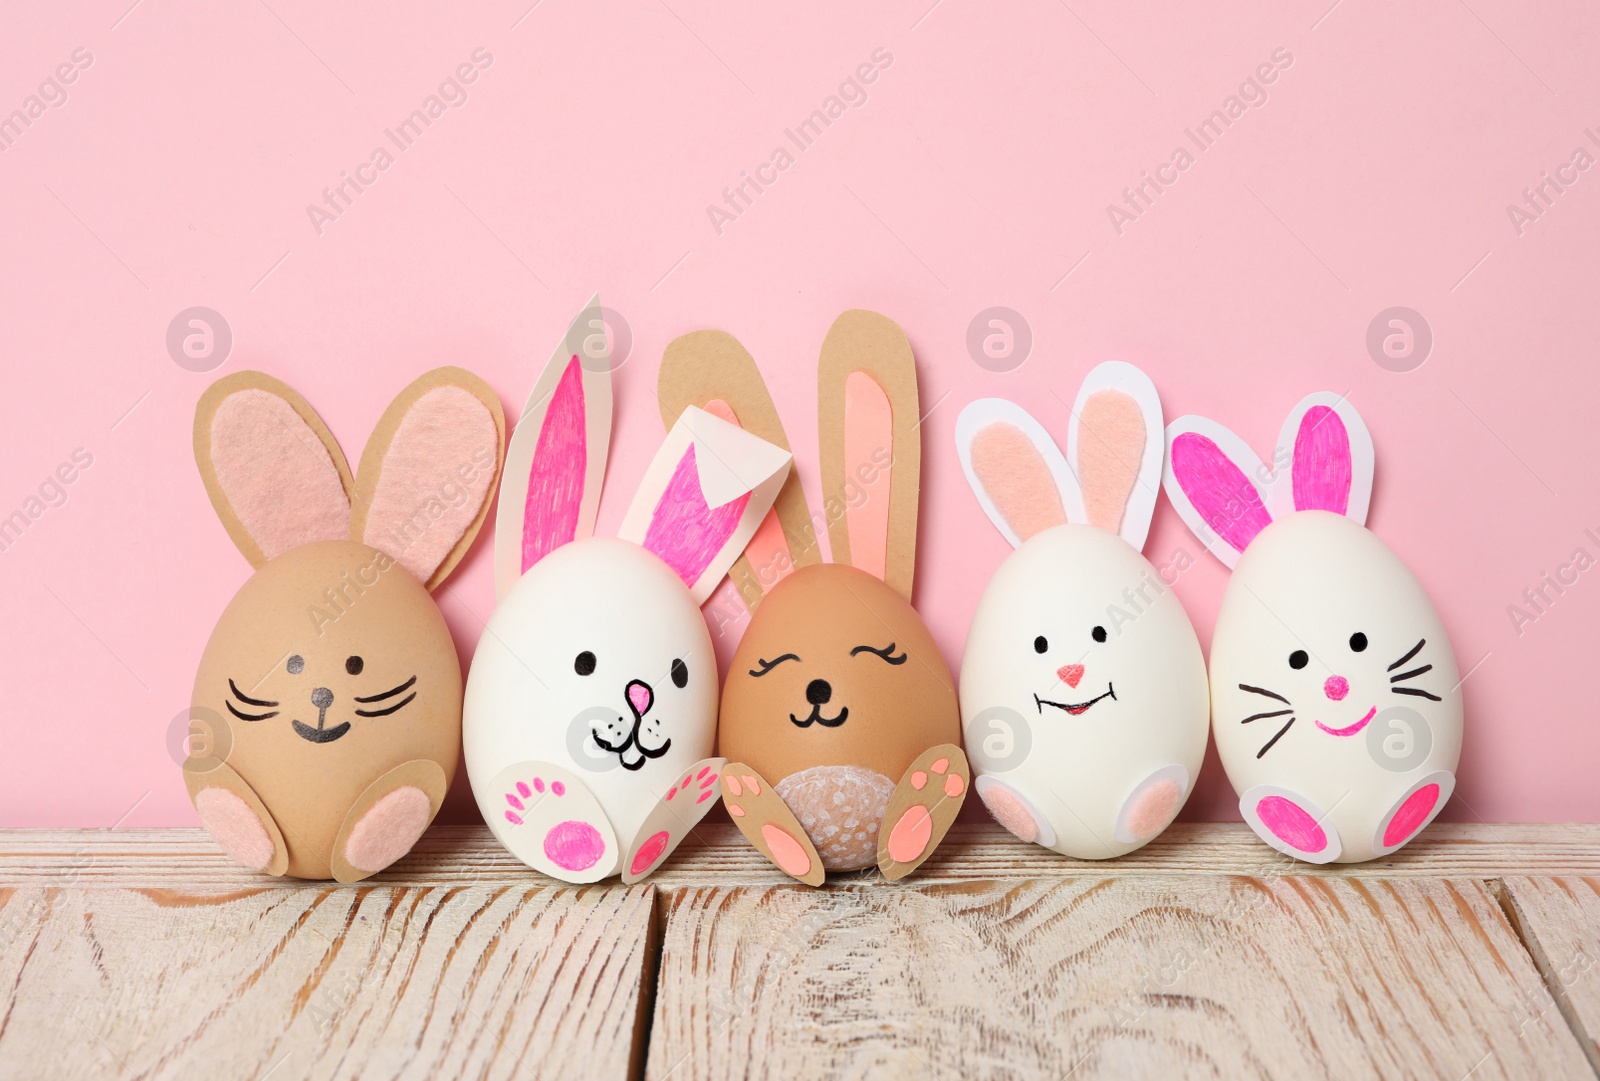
(640, 697)
(1336, 688)
(1070, 674)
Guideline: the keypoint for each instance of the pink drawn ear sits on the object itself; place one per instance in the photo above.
(1217, 493)
(1321, 462)
(683, 531)
(555, 481)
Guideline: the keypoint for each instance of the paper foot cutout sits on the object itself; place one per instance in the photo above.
(679, 811)
(1411, 814)
(1155, 802)
(553, 823)
(1014, 811)
(238, 820)
(921, 810)
(1290, 823)
(387, 820)
(766, 822)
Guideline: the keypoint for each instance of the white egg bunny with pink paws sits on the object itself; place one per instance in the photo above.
(591, 708)
(1335, 696)
(1083, 689)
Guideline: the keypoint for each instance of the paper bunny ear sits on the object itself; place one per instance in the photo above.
(1329, 452)
(1221, 490)
(557, 460)
(711, 370)
(428, 472)
(274, 473)
(1019, 475)
(703, 496)
(1116, 445)
(871, 446)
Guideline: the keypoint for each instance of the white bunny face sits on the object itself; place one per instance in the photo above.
(1334, 689)
(1083, 690)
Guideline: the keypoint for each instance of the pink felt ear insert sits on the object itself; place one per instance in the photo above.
(684, 531)
(1016, 479)
(768, 550)
(868, 441)
(1222, 495)
(555, 483)
(1111, 439)
(235, 827)
(1321, 468)
(278, 477)
(434, 479)
(389, 829)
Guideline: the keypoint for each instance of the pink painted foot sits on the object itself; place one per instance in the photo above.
(1290, 823)
(236, 827)
(922, 809)
(1413, 811)
(1155, 802)
(1014, 811)
(547, 817)
(388, 830)
(692, 794)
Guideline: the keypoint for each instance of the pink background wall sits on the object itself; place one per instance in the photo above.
(977, 172)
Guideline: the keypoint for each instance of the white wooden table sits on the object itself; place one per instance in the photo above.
(146, 953)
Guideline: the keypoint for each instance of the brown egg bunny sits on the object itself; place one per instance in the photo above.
(839, 716)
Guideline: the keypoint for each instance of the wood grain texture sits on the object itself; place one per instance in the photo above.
(714, 852)
(1292, 977)
(1559, 920)
(324, 982)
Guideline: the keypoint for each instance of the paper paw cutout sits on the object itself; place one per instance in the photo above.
(1155, 802)
(679, 811)
(552, 822)
(388, 819)
(1412, 812)
(921, 810)
(1290, 823)
(237, 819)
(766, 822)
(1014, 811)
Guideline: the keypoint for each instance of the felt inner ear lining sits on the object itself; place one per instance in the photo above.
(556, 477)
(1016, 479)
(1111, 438)
(278, 476)
(1321, 469)
(868, 448)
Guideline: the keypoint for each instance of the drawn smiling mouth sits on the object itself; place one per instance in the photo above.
(320, 735)
(816, 717)
(1352, 729)
(1075, 708)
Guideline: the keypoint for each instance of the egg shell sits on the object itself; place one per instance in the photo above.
(325, 603)
(1310, 581)
(1079, 771)
(526, 701)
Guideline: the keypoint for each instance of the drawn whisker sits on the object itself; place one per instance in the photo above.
(396, 708)
(1418, 691)
(1286, 726)
(249, 716)
(1259, 716)
(1412, 652)
(390, 693)
(245, 698)
(1413, 672)
(1263, 690)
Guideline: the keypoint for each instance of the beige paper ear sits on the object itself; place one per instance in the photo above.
(866, 363)
(274, 472)
(428, 473)
(708, 367)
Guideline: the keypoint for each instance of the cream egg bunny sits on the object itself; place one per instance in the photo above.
(591, 707)
(1334, 693)
(1083, 690)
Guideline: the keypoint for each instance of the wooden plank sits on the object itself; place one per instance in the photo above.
(1559, 920)
(324, 982)
(1103, 977)
(189, 859)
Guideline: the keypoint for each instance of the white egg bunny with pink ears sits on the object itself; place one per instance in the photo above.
(1335, 697)
(591, 708)
(1083, 690)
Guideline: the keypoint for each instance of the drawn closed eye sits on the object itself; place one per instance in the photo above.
(887, 653)
(767, 666)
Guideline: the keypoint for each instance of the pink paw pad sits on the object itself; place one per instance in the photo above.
(910, 836)
(388, 829)
(649, 852)
(235, 826)
(1010, 812)
(1152, 809)
(1292, 824)
(1411, 815)
(573, 845)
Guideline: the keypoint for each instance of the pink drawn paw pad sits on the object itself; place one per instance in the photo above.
(1414, 811)
(571, 844)
(389, 829)
(1290, 823)
(236, 827)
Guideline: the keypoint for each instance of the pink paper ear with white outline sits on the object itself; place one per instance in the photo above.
(556, 462)
(1329, 453)
(1218, 486)
(703, 497)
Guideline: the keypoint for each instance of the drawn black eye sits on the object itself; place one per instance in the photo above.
(1098, 634)
(354, 665)
(680, 674)
(1298, 659)
(1358, 641)
(583, 664)
(297, 664)
(1040, 644)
